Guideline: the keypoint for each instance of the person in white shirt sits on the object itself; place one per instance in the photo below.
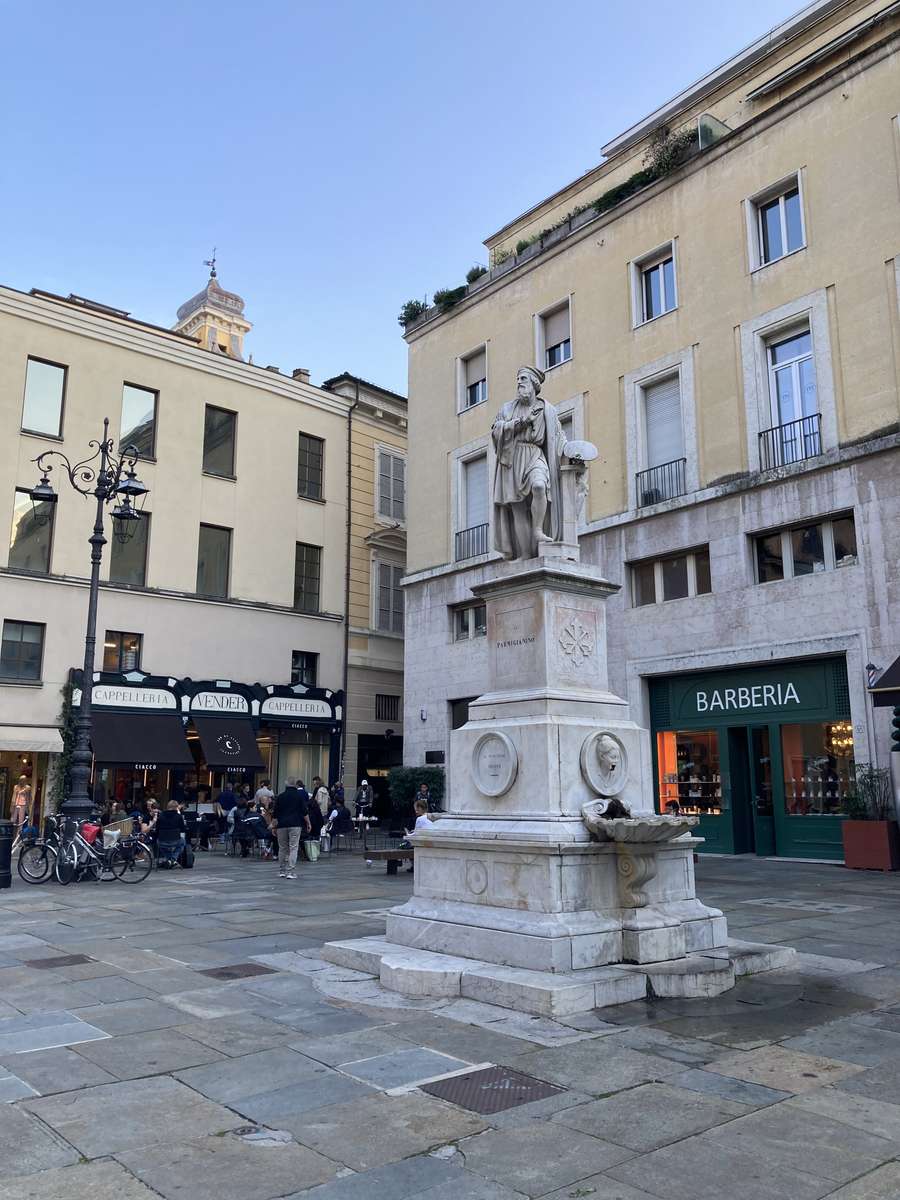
(264, 794)
(320, 795)
(422, 820)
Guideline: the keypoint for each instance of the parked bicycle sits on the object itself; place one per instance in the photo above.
(81, 856)
(37, 855)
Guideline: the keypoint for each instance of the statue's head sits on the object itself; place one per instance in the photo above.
(528, 382)
(609, 754)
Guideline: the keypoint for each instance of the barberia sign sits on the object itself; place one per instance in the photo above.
(759, 695)
(113, 696)
(219, 702)
(292, 708)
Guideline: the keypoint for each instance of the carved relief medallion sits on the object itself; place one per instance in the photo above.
(576, 642)
(494, 764)
(476, 877)
(604, 763)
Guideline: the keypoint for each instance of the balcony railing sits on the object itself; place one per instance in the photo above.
(790, 443)
(471, 541)
(664, 482)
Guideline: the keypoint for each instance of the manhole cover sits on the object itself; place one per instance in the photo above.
(491, 1089)
(61, 960)
(238, 971)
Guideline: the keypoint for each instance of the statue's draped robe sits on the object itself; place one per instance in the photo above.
(523, 459)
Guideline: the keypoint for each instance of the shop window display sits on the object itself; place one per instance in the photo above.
(689, 772)
(818, 767)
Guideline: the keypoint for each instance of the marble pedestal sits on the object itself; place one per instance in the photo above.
(514, 904)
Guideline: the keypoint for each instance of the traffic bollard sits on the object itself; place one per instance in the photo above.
(7, 833)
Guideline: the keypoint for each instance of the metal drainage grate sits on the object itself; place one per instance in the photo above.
(238, 971)
(61, 960)
(491, 1090)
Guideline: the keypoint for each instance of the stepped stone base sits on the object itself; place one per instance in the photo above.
(422, 973)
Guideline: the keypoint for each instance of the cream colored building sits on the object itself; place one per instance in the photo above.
(376, 565)
(238, 576)
(717, 307)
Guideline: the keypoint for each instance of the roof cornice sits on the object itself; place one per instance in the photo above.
(164, 345)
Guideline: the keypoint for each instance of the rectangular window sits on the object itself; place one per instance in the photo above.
(391, 486)
(213, 561)
(690, 779)
(304, 668)
(475, 491)
(675, 577)
(658, 287)
(387, 708)
(310, 460)
(818, 765)
(671, 578)
(138, 427)
(662, 417)
(21, 650)
(779, 225)
(805, 549)
(31, 535)
(469, 622)
(557, 336)
(459, 711)
(45, 390)
(390, 598)
(218, 441)
(128, 560)
(475, 382)
(121, 651)
(307, 577)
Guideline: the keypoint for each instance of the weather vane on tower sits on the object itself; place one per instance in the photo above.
(211, 263)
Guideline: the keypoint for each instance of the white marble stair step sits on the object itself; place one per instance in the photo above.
(694, 976)
(361, 954)
(421, 973)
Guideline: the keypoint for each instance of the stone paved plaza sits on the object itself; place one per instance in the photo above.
(182, 1038)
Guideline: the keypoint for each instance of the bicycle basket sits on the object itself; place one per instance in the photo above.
(89, 833)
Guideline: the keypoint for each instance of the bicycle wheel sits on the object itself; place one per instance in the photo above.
(36, 863)
(131, 863)
(66, 864)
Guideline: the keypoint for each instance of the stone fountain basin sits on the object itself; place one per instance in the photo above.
(641, 829)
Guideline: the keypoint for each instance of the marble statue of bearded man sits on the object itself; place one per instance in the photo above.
(528, 444)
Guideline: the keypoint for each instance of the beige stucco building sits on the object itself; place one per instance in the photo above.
(376, 565)
(237, 577)
(715, 307)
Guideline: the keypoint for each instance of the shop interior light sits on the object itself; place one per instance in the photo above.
(840, 737)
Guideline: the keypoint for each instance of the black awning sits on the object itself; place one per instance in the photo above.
(886, 692)
(228, 742)
(139, 740)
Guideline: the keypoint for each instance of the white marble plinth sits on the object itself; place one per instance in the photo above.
(418, 974)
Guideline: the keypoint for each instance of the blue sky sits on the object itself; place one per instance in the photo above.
(343, 156)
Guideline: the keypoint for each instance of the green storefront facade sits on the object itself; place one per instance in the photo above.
(763, 754)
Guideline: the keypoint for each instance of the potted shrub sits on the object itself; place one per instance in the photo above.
(869, 831)
(411, 311)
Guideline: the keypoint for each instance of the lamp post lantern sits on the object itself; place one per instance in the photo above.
(111, 478)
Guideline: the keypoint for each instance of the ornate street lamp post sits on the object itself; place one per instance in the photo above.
(111, 478)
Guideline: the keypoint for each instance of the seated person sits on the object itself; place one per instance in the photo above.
(339, 819)
(207, 828)
(673, 808)
(171, 830)
(253, 827)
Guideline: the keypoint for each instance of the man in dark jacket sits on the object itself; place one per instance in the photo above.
(291, 816)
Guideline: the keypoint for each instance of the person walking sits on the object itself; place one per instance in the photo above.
(291, 817)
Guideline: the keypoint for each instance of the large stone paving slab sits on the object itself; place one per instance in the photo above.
(227, 1168)
(97, 1180)
(536, 1157)
(403, 1067)
(156, 1052)
(420, 1177)
(238, 1078)
(852, 1042)
(241, 1033)
(57, 1070)
(785, 1070)
(131, 1016)
(42, 1031)
(355, 1133)
(859, 1112)
(27, 1146)
(596, 1066)
(119, 1116)
(647, 1117)
(881, 1184)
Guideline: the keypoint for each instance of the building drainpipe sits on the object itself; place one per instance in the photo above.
(350, 412)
